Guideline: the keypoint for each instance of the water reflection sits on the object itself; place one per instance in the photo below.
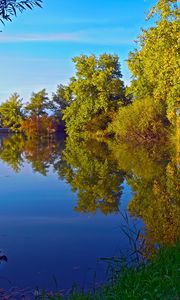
(153, 175)
(96, 172)
(11, 151)
(41, 154)
(92, 172)
(3, 258)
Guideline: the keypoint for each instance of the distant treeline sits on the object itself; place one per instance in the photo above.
(96, 102)
(38, 117)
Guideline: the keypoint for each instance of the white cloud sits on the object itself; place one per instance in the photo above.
(57, 37)
(106, 36)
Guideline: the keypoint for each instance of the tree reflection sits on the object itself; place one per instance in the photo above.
(96, 171)
(40, 153)
(153, 176)
(11, 151)
(91, 172)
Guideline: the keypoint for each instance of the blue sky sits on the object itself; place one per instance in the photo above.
(37, 47)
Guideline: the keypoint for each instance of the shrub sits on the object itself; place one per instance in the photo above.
(141, 121)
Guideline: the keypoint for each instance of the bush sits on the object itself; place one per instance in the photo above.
(140, 121)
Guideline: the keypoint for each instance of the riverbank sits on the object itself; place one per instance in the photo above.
(159, 279)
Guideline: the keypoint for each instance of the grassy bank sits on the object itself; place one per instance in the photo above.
(160, 279)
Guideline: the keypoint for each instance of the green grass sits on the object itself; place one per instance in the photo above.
(160, 279)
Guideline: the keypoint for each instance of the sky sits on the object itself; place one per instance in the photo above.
(37, 48)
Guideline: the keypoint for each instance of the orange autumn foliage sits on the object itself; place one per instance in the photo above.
(37, 126)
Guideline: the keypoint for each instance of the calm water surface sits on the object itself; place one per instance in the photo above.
(61, 204)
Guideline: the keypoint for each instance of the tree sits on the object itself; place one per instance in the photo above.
(11, 114)
(59, 103)
(96, 88)
(8, 8)
(155, 63)
(36, 127)
(37, 122)
(38, 104)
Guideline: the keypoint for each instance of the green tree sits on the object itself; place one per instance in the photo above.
(37, 122)
(38, 104)
(11, 114)
(155, 63)
(59, 103)
(8, 8)
(96, 89)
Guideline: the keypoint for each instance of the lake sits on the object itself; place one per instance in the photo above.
(65, 204)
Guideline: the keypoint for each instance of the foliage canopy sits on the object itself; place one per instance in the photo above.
(155, 64)
(38, 104)
(96, 89)
(8, 8)
(11, 114)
